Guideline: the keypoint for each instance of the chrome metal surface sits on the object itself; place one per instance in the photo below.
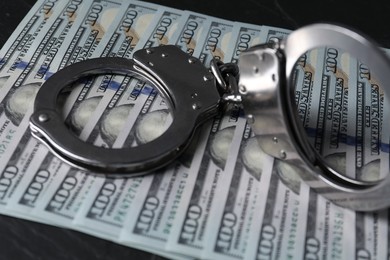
(268, 99)
(195, 93)
(168, 69)
(214, 66)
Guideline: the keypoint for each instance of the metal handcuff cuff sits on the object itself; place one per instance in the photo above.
(195, 95)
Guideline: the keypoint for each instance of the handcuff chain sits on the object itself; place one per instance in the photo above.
(227, 76)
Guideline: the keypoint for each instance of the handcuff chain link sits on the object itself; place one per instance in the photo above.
(227, 76)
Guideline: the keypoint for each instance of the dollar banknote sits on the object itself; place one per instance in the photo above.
(219, 35)
(286, 201)
(143, 109)
(22, 128)
(129, 192)
(121, 193)
(367, 149)
(63, 199)
(238, 221)
(13, 174)
(193, 33)
(304, 75)
(223, 237)
(17, 95)
(164, 29)
(326, 232)
(129, 26)
(18, 101)
(81, 183)
(181, 239)
(368, 99)
(106, 208)
(285, 210)
(248, 36)
(13, 115)
(166, 191)
(224, 198)
(76, 175)
(371, 228)
(109, 125)
(14, 54)
(332, 97)
(154, 107)
(273, 34)
(156, 219)
(89, 33)
(189, 236)
(157, 209)
(152, 27)
(141, 232)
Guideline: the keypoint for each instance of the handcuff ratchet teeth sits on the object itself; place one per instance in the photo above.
(196, 93)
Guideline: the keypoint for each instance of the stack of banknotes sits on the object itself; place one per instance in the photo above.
(224, 198)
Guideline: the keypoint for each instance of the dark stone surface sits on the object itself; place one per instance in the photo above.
(20, 239)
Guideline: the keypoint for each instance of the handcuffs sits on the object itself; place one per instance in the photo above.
(196, 94)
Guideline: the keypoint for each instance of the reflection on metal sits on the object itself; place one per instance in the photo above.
(167, 68)
(264, 88)
(266, 73)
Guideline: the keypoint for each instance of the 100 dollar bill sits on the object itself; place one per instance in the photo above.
(229, 236)
(366, 102)
(189, 236)
(161, 212)
(153, 28)
(20, 99)
(22, 128)
(156, 212)
(14, 53)
(82, 185)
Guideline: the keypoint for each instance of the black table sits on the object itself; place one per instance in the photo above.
(20, 239)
